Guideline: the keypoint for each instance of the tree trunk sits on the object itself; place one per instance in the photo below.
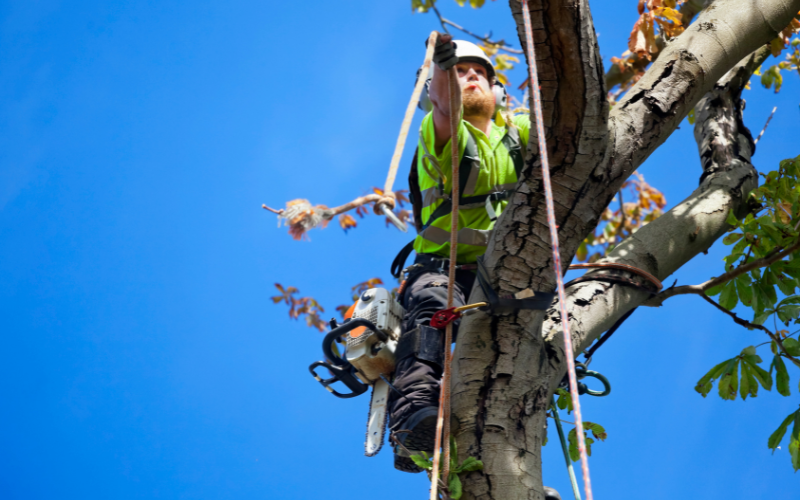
(506, 367)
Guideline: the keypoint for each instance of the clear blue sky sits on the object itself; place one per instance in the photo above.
(142, 357)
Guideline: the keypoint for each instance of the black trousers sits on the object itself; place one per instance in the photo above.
(417, 380)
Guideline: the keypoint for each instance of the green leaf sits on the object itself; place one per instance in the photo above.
(704, 384)
(732, 238)
(781, 377)
(454, 486)
(732, 220)
(572, 437)
(729, 382)
(788, 313)
(787, 285)
(769, 291)
(752, 383)
(422, 462)
(761, 318)
(794, 442)
(745, 288)
(598, 430)
(792, 346)
(777, 436)
(715, 290)
(471, 464)
(762, 376)
(744, 387)
(564, 401)
(729, 299)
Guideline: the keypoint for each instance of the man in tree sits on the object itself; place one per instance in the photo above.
(491, 159)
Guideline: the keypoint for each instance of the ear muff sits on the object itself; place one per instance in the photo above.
(498, 89)
(425, 103)
(500, 97)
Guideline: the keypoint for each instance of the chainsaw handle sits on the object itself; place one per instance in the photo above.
(343, 374)
(340, 330)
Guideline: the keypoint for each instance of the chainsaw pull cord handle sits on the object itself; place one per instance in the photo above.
(443, 420)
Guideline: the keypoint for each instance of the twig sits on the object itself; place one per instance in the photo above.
(502, 45)
(765, 125)
(272, 209)
(441, 19)
(565, 421)
(737, 319)
(749, 325)
(724, 278)
(393, 438)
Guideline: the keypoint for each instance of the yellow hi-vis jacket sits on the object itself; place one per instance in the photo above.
(488, 174)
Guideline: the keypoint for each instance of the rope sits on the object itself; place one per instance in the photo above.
(575, 489)
(443, 420)
(301, 216)
(412, 106)
(551, 222)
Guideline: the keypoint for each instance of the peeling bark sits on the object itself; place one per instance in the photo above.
(506, 367)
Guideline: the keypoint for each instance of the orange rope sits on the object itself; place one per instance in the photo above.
(443, 420)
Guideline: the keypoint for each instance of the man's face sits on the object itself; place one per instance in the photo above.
(473, 78)
(476, 91)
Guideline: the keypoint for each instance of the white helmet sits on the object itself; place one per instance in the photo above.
(468, 52)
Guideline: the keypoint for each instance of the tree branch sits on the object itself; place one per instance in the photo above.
(700, 289)
(689, 66)
(501, 44)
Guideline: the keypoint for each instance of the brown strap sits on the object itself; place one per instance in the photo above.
(624, 267)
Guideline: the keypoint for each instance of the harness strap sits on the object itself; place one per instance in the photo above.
(541, 301)
(399, 262)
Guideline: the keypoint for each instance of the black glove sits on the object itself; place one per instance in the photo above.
(444, 55)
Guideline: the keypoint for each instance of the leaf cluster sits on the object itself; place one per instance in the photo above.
(766, 242)
(616, 225)
(300, 306)
(597, 431)
(454, 487)
(772, 228)
(658, 21)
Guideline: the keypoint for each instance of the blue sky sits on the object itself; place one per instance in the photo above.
(142, 356)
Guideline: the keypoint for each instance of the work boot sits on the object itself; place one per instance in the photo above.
(421, 437)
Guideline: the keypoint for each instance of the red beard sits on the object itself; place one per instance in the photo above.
(478, 103)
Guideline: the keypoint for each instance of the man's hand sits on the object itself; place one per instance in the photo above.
(444, 54)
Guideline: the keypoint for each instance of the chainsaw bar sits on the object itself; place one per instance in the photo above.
(376, 421)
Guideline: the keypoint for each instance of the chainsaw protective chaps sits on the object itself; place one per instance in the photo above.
(418, 371)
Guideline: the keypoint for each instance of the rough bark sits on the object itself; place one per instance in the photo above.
(505, 368)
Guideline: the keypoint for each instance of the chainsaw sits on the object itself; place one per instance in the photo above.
(370, 337)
